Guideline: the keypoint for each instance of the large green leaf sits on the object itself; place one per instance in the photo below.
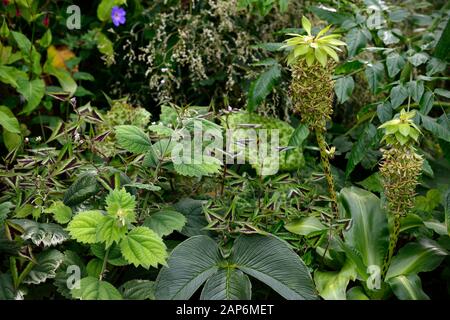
(164, 222)
(374, 74)
(133, 139)
(333, 285)
(47, 263)
(110, 231)
(83, 226)
(408, 287)
(273, 262)
(61, 213)
(188, 167)
(356, 40)
(262, 86)
(8, 75)
(227, 284)
(33, 91)
(91, 288)
(369, 233)
(67, 273)
(143, 247)
(395, 63)
(46, 234)
(138, 290)
(359, 149)
(190, 264)
(344, 87)
(82, 189)
(415, 257)
(193, 211)
(7, 291)
(309, 226)
(435, 127)
(64, 77)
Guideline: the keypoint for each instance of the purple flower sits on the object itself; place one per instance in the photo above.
(118, 16)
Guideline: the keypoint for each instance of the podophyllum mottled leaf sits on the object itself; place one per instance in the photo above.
(46, 234)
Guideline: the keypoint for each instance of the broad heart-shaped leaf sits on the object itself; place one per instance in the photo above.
(7, 291)
(415, 257)
(33, 91)
(193, 211)
(143, 247)
(91, 288)
(408, 287)
(138, 290)
(165, 222)
(227, 284)
(308, 226)
(47, 263)
(82, 189)
(46, 234)
(262, 86)
(133, 139)
(272, 261)
(344, 87)
(110, 230)
(68, 272)
(8, 121)
(333, 285)
(83, 226)
(369, 233)
(190, 264)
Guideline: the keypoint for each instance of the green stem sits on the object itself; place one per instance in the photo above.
(392, 245)
(117, 180)
(26, 271)
(105, 262)
(14, 274)
(325, 159)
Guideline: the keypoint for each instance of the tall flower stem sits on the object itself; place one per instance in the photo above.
(325, 159)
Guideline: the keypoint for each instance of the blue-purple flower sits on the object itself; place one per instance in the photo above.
(118, 16)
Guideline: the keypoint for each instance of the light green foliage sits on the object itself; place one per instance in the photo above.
(91, 288)
(313, 47)
(120, 204)
(293, 161)
(61, 213)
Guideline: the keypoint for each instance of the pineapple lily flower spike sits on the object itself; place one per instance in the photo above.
(313, 48)
(312, 88)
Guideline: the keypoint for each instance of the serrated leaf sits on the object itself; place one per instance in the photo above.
(138, 290)
(190, 264)
(262, 86)
(165, 222)
(133, 139)
(143, 247)
(227, 284)
(189, 167)
(344, 87)
(82, 189)
(120, 204)
(91, 288)
(46, 234)
(61, 213)
(47, 263)
(110, 230)
(284, 271)
(83, 226)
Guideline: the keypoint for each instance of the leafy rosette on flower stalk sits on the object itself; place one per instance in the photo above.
(312, 86)
(400, 169)
(314, 48)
